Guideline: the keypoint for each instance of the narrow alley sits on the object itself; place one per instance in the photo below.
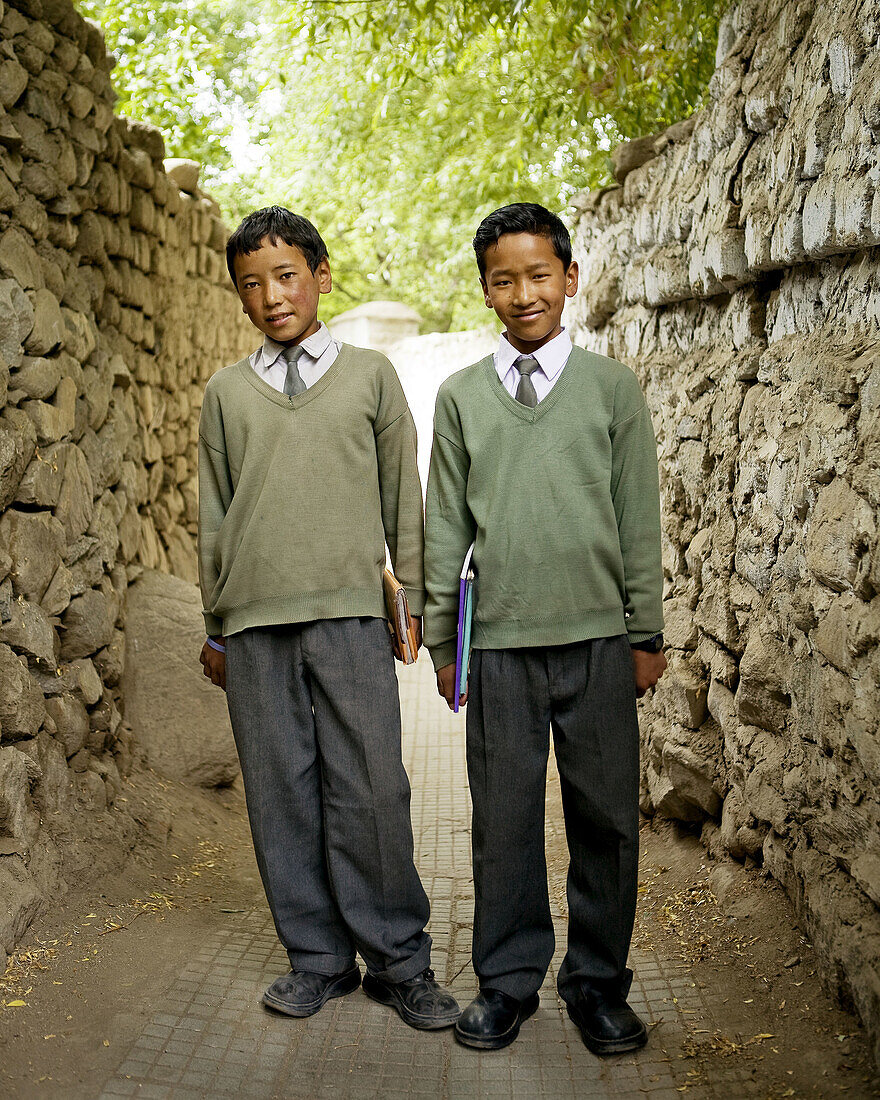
(169, 1007)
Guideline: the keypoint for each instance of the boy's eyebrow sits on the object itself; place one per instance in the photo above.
(284, 266)
(514, 270)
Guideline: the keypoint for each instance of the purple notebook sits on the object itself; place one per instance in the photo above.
(465, 611)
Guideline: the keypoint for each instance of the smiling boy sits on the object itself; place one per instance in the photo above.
(544, 457)
(307, 468)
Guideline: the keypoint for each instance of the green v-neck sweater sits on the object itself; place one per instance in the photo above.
(299, 495)
(562, 501)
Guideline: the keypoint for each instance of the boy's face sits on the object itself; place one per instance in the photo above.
(278, 291)
(526, 284)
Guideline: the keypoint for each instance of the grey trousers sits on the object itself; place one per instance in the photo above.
(586, 694)
(316, 719)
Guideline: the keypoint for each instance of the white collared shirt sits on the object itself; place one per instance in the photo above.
(320, 354)
(551, 357)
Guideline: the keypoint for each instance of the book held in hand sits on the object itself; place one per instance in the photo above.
(465, 618)
(400, 623)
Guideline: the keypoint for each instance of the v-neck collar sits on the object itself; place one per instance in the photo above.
(298, 400)
(517, 407)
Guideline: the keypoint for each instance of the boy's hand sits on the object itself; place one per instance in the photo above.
(648, 668)
(446, 686)
(214, 663)
(417, 630)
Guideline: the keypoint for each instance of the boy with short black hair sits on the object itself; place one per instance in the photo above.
(307, 468)
(544, 456)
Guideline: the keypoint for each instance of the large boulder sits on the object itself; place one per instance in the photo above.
(179, 717)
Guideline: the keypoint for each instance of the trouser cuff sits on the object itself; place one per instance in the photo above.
(518, 986)
(571, 989)
(407, 968)
(328, 965)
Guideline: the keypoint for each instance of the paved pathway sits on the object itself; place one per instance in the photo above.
(211, 1038)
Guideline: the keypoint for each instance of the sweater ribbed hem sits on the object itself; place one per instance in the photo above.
(443, 654)
(560, 630)
(213, 625)
(524, 633)
(415, 600)
(305, 607)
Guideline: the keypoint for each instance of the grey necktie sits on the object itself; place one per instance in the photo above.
(293, 383)
(525, 391)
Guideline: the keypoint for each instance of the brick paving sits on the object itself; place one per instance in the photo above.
(213, 1039)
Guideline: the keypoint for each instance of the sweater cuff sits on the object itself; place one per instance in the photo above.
(443, 654)
(213, 625)
(415, 599)
(635, 636)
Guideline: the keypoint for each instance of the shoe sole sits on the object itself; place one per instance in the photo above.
(498, 1042)
(346, 983)
(609, 1046)
(422, 1023)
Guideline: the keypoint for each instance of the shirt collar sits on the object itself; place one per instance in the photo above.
(314, 346)
(551, 356)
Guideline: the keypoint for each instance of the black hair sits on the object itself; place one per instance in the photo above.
(276, 223)
(522, 217)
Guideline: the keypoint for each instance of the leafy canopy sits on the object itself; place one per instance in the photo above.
(397, 126)
(642, 63)
(182, 65)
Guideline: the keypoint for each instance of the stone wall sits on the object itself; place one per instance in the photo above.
(114, 310)
(736, 270)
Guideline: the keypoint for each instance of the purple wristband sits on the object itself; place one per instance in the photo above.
(216, 645)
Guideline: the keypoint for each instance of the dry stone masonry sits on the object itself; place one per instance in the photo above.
(114, 310)
(736, 267)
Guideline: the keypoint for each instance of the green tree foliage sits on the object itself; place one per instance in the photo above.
(182, 66)
(396, 178)
(397, 126)
(642, 63)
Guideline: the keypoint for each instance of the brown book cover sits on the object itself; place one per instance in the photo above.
(400, 623)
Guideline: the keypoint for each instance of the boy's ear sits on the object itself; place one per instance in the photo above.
(571, 279)
(324, 276)
(486, 298)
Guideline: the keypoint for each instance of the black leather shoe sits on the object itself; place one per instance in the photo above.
(492, 1020)
(302, 993)
(420, 1001)
(607, 1024)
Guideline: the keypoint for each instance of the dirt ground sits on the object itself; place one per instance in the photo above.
(93, 969)
(736, 931)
